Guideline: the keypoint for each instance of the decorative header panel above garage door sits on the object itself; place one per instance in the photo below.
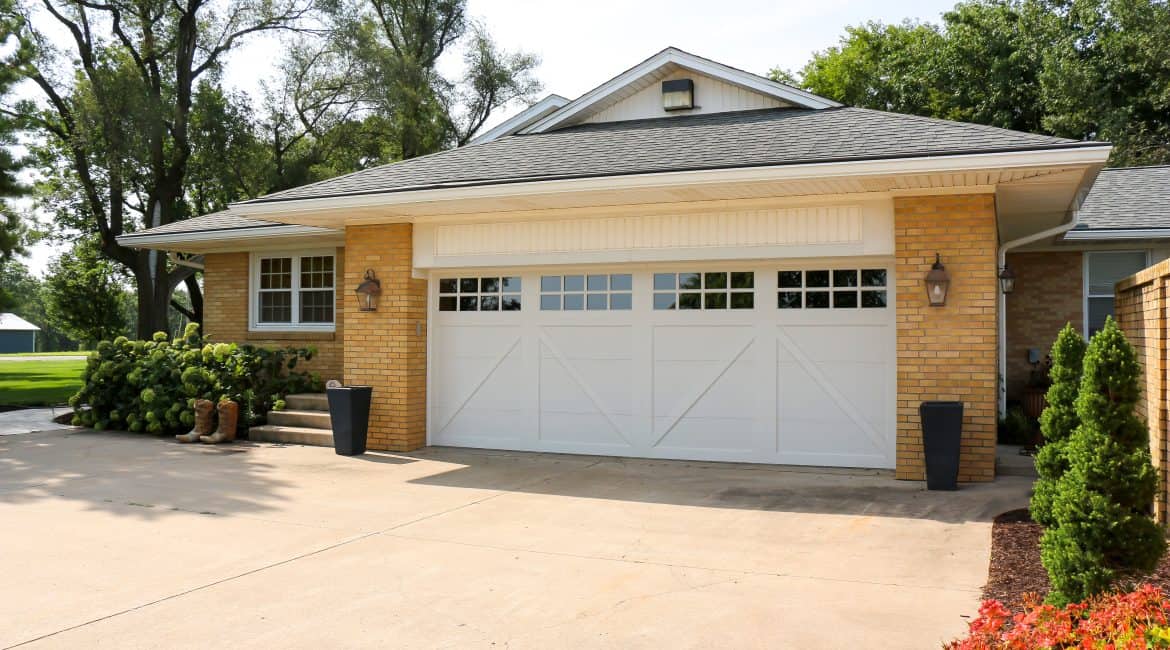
(861, 228)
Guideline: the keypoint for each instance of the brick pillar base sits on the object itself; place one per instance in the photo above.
(387, 348)
(948, 352)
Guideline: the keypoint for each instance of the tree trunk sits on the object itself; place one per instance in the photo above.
(154, 293)
(196, 295)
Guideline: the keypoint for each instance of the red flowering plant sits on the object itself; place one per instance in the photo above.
(1120, 621)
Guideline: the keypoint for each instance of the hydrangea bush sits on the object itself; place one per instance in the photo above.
(152, 385)
(1121, 621)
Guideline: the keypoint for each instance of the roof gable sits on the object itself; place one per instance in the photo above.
(537, 111)
(634, 86)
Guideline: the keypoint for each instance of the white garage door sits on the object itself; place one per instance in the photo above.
(755, 363)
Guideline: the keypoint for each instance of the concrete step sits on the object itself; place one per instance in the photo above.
(291, 435)
(298, 418)
(307, 402)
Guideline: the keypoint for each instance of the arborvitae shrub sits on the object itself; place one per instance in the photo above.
(1103, 531)
(1059, 420)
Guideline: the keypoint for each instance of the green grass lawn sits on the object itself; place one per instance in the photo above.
(39, 383)
(14, 355)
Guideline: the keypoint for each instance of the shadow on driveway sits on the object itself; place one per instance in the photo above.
(727, 485)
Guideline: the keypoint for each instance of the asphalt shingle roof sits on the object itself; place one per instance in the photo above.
(223, 220)
(720, 140)
(1127, 198)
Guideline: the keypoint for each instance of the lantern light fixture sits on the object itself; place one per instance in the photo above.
(937, 283)
(368, 291)
(1007, 279)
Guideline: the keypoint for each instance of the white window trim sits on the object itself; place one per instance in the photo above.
(254, 324)
(1085, 283)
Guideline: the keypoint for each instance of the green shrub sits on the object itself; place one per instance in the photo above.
(1058, 421)
(151, 385)
(1103, 531)
(1015, 428)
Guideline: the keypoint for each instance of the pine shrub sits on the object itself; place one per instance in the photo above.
(1102, 530)
(1058, 421)
(151, 386)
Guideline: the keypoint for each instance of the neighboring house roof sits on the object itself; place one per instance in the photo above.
(14, 323)
(780, 136)
(1126, 203)
(218, 225)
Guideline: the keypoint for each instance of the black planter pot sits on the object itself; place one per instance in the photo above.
(349, 410)
(942, 429)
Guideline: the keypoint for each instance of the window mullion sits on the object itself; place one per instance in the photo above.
(295, 265)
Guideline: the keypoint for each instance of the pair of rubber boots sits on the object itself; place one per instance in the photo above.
(229, 412)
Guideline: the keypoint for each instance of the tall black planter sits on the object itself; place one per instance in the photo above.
(942, 428)
(349, 410)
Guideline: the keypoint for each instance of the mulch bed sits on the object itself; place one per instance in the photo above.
(1015, 569)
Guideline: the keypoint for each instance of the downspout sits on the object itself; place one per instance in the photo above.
(1074, 217)
(189, 263)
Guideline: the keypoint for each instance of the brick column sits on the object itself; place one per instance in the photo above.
(1141, 305)
(387, 348)
(948, 352)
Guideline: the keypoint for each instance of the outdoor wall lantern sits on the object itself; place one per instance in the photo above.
(678, 94)
(1007, 280)
(937, 282)
(368, 291)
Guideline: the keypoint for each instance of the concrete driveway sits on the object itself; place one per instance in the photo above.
(117, 540)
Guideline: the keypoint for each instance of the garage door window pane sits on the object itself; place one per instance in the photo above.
(468, 303)
(597, 282)
(816, 300)
(664, 301)
(447, 303)
(743, 300)
(845, 278)
(489, 285)
(574, 301)
(574, 283)
(715, 281)
(511, 285)
(448, 285)
(550, 283)
(690, 301)
(621, 282)
(689, 281)
(550, 302)
(597, 301)
(620, 301)
(816, 278)
(873, 277)
(789, 300)
(873, 299)
(468, 285)
(789, 280)
(664, 282)
(844, 299)
(489, 303)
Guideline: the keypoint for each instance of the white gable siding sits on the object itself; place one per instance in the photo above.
(711, 96)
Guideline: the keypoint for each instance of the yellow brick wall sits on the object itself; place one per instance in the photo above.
(387, 348)
(225, 313)
(1140, 308)
(1048, 294)
(949, 352)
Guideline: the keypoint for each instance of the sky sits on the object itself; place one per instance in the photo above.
(583, 44)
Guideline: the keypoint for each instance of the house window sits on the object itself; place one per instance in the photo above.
(594, 292)
(714, 290)
(1102, 271)
(479, 294)
(293, 291)
(836, 289)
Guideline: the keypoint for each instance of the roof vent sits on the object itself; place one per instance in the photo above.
(678, 94)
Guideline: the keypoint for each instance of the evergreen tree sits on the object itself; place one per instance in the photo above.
(1103, 528)
(1059, 420)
